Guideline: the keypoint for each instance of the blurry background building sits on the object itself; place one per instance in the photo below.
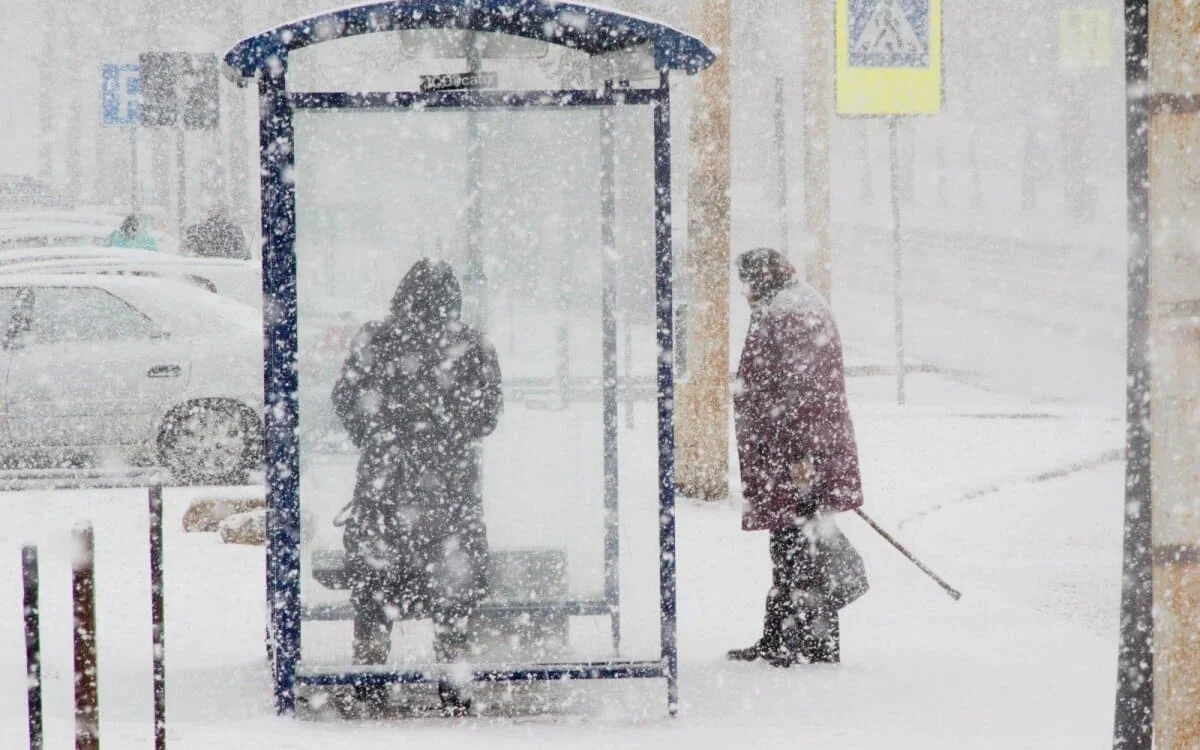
(1012, 199)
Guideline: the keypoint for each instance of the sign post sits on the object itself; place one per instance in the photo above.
(889, 64)
(1085, 46)
(120, 101)
(179, 90)
(897, 253)
(781, 167)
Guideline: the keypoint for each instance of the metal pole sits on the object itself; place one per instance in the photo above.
(33, 645)
(630, 400)
(781, 167)
(1133, 724)
(281, 383)
(562, 341)
(866, 185)
(897, 253)
(664, 294)
(818, 104)
(512, 322)
(973, 167)
(1029, 168)
(87, 698)
(474, 280)
(181, 177)
(1134, 715)
(69, 83)
(157, 622)
(608, 266)
(48, 88)
(236, 128)
(133, 168)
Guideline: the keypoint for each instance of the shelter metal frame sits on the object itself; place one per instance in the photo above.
(587, 28)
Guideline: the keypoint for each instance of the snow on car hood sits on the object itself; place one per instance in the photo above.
(187, 310)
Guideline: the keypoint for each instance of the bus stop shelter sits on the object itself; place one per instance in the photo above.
(385, 136)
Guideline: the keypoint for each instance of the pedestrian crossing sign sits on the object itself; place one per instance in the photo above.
(889, 57)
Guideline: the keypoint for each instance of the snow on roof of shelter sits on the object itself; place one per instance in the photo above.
(579, 26)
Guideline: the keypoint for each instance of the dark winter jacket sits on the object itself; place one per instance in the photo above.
(417, 394)
(216, 237)
(790, 405)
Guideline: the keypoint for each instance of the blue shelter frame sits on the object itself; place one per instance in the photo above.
(585, 28)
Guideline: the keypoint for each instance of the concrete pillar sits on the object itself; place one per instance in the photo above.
(702, 403)
(1175, 410)
(1164, 398)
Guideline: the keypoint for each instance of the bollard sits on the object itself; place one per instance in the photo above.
(33, 645)
(156, 618)
(87, 699)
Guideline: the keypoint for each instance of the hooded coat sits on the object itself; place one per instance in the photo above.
(417, 394)
(790, 402)
(216, 237)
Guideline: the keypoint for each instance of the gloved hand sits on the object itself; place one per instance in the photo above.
(806, 505)
(804, 474)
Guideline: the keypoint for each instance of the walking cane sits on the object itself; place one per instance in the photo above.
(954, 594)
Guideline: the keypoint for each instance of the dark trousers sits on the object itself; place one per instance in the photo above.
(440, 577)
(373, 629)
(373, 638)
(799, 619)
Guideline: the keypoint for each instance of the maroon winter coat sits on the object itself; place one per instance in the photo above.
(789, 404)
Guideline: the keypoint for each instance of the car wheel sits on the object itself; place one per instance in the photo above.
(210, 442)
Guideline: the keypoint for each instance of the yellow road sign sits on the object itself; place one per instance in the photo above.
(889, 57)
(1084, 38)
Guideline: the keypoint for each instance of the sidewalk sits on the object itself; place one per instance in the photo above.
(979, 485)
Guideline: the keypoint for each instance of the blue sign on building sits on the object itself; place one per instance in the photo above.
(889, 33)
(120, 94)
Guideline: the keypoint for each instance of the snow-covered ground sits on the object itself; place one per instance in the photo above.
(1017, 504)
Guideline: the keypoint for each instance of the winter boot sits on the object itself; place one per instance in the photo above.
(362, 702)
(456, 698)
(761, 649)
(821, 641)
(778, 611)
(783, 658)
(452, 647)
(372, 642)
(787, 651)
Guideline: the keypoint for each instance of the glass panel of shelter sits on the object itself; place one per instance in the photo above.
(378, 189)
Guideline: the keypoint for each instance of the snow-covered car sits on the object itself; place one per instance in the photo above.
(115, 369)
(239, 280)
(325, 327)
(23, 192)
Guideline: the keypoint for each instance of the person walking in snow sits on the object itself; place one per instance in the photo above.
(417, 394)
(216, 237)
(130, 234)
(798, 459)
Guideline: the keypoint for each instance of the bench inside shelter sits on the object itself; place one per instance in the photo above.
(527, 599)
